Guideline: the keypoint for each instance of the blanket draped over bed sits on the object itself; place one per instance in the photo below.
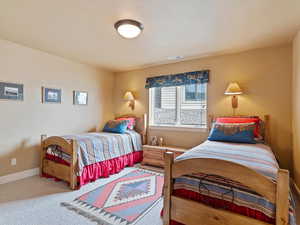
(99, 147)
(221, 192)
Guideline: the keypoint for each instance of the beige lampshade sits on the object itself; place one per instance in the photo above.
(128, 96)
(233, 89)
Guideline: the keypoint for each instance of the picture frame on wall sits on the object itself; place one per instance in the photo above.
(80, 97)
(51, 95)
(11, 91)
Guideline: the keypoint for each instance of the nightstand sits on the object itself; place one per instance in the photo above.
(154, 155)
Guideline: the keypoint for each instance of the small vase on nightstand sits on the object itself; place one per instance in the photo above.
(154, 141)
(161, 141)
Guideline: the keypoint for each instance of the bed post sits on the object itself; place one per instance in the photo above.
(144, 133)
(267, 136)
(210, 121)
(282, 198)
(42, 156)
(73, 176)
(168, 182)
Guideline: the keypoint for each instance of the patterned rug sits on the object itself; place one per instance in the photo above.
(123, 201)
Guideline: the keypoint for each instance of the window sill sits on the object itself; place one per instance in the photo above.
(179, 128)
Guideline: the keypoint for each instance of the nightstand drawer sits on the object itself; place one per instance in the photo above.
(154, 155)
(153, 148)
(158, 154)
(153, 162)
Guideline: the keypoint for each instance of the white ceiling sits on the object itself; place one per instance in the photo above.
(83, 30)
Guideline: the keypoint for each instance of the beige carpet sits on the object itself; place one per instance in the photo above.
(36, 201)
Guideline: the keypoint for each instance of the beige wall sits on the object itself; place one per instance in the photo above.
(296, 108)
(22, 122)
(264, 74)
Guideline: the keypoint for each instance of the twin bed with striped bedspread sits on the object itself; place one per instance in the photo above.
(99, 147)
(102, 146)
(223, 193)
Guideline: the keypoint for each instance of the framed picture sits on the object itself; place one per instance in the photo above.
(80, 98)
(11, 91)
(51, 95)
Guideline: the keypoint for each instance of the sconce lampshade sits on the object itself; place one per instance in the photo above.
(128, 96)
(233, 89)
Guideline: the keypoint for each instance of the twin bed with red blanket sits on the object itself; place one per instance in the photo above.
(80, 159)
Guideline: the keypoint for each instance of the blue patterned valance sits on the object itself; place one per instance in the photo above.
(179, 79)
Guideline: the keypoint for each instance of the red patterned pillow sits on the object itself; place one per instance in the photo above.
(252, 119)
(131, 123)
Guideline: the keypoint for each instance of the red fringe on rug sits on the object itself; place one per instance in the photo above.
(101, 169)
(217, 203)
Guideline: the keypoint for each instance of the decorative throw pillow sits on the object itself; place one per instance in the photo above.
(131, 122)
(116, 126)
(248, 119)
(233, 132)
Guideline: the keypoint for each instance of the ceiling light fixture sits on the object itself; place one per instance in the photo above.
(175, 57)
(129, 28)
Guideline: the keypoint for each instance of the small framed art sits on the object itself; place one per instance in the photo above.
(51, 95)
(80, 98)
(11, 91)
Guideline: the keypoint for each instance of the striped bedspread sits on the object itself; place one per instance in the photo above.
(99, 147)
(256, 156)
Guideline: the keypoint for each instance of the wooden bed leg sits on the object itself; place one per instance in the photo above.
(73, 176)
(43, 153)
(282, 198)
(168, 182)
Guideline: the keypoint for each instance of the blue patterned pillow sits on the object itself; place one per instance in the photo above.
(116, 126)
(233, 132)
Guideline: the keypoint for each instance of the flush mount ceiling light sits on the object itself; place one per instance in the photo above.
(175, 57)
(129, 28)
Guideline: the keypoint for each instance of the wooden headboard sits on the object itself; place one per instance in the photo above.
(140, 126)
(265, 127)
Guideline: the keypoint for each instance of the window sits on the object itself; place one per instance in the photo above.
(181, 106)
(194, 92)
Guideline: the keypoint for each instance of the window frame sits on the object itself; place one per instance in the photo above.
(177, 126)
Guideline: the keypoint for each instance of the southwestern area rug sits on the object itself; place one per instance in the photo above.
(123, 201)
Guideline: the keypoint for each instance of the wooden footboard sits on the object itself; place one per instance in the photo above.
(194, 213)
(63, 172)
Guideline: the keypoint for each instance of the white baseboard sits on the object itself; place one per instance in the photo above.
(19, 175)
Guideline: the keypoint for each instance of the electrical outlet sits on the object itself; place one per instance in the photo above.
(13, 161)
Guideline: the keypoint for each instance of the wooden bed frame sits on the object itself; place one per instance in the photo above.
(68, 173)
(195, 213)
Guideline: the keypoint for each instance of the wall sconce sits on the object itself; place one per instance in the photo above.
(129, 97)
(234, 90)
